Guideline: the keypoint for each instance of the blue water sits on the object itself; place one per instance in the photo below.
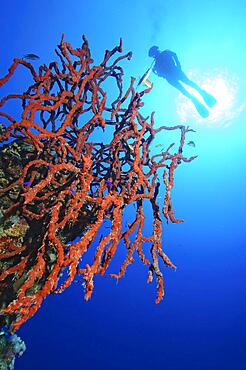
(200, 324)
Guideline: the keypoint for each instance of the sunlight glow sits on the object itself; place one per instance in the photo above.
(224, 87)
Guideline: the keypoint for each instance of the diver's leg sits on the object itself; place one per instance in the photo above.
(208, 98)
(189, 82)
(180, 87)
(199, 106)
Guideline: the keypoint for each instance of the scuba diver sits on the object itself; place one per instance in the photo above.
(167, 65)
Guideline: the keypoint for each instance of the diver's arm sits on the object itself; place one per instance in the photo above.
(154, 70)
(174, 57)
(176, 60)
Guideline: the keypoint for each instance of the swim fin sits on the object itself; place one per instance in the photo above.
(201, 109)
(208, 98)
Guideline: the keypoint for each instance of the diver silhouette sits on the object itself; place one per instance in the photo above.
(167, 65)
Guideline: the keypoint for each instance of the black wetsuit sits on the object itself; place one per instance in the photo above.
(167, 66)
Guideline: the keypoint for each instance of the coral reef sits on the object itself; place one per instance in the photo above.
(59, 183)
(11, 346)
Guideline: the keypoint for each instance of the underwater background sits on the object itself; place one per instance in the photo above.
(200, 323)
